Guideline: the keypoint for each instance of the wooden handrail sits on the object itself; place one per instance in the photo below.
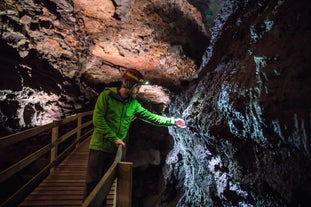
(123, 172)
(52, 147)
(20, 136)
(120, 170)
(98, 194)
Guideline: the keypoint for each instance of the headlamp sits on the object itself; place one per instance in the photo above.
(146, 82)
(140, 81)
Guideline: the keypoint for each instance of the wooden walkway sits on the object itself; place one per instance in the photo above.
(65, 186)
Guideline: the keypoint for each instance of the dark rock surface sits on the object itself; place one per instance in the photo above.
(248, 112)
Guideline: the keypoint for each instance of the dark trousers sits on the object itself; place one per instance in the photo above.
(98, 164)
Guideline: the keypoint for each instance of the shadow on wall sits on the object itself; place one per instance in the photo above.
(208, 10)
(32, 93)
(179, 30)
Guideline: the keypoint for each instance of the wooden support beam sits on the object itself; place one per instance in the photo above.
(54, 150)
(79, 123)
(124, 184)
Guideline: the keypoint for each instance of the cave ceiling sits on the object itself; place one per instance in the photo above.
(94, 41)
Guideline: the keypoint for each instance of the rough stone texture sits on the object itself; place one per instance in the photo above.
(92, 41)
(248, 111)
(60, 53)
(98, 39)
(246, 104)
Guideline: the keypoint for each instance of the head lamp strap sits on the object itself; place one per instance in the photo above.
(134, 77)
(133, 92)
(133, 87)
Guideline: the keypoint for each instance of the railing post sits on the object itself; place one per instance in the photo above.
(54, 146)
(79, 124)
(124, 184)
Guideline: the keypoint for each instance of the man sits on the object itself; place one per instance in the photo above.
(113, 112)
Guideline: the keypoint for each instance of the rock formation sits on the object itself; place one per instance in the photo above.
(248, 111)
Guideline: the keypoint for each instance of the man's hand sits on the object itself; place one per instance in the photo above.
(180, 123)
(120, 142)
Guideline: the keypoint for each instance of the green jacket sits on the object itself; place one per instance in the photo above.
(112, 117)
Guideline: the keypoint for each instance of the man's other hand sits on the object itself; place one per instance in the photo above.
(120, 142)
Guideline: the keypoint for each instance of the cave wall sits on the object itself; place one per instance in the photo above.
(248, 111)
(32, 93)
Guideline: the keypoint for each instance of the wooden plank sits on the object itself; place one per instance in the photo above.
(61, 181)
(86, 124)
(63, 192)
(97, 196)
(57, 184)
(52, 203)
(62, 188)
(87, 113)
(66, 135)
(56, 188)
(26, 189)
(65, 186)
(111, 196)
(69, 119)
(69, 172)
(124, 186)
(20, 136)
(54, 197)
(54, 150)
(5, 174)
(76, 172)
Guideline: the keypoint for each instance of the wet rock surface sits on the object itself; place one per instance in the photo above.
(248, 112)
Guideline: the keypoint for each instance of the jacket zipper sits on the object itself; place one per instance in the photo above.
(121, 117)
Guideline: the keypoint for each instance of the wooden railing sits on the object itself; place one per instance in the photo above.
(123, 172)
(56, 150)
